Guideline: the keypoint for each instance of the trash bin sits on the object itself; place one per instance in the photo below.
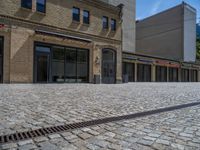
(97, 79)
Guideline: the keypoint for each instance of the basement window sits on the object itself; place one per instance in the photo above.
(26, 4)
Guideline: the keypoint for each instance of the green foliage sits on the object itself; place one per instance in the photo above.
(198, 47)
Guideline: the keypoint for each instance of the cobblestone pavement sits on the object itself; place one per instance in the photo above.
(24, 107)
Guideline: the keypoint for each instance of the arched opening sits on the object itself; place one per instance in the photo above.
(108, 66)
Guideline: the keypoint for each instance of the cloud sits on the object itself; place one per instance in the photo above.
(156, 7)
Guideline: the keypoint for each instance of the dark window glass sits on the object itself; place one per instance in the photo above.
(86, 17)
(41, 6)
(76, 14)
(173, 75)
(1, 60)
(70, 66)
(105, 22)
(185, 75)
(143, 73)
(42, 61)
(129, 70)
(26, 4)
(58, 63)
(113, 24)
(82, 66)
(1, 46)
(161, 74)
(193, 75)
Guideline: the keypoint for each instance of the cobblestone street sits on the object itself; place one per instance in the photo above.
(25, 107)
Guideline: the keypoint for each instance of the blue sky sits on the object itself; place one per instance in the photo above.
(147, 8)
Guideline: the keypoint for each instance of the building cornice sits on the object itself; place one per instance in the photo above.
(102, 5)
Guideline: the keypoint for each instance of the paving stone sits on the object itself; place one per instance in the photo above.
(149, 138)
(47, 146)
(84, 136)
(53, 136)
(20, 143)
(177, 146)
(186, 135)
(27, 147)
(145, 142)
(8, 146)
(164, 142)
(40, 139)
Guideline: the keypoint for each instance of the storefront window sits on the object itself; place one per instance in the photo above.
(161, 74)
(61, 64)
(143, 73)
(58, 63)
(1, 59)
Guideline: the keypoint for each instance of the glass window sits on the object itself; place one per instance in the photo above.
(1, 60)
(76, 14)
(42, 61)
(113, 24)
(1, 46)
(41, 6)
(105, 22)
(82, 66)
(86, 17)
(70, 66)
(58, 63)
(26, 4)
(161, 74)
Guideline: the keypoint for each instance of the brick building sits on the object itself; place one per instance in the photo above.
(48, 41)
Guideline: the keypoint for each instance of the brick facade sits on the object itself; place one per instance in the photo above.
(20, 26)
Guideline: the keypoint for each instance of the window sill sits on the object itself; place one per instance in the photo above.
(86, 24)
(75, 22)
(26, 9)
(41, 13)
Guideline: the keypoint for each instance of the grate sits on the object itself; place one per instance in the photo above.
(18, 136)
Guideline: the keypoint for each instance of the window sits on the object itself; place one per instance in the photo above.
(26, 4)
(105, 22)
(76, 14)
(86, 17)
(1, 59)
(113, 24)
(41, 6)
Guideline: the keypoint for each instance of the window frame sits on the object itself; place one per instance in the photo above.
(23, 6)
(107, 23)
(113, 26)
(73, 17)
(88, 18)
(44, 7)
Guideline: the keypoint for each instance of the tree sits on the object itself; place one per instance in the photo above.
(198, 48)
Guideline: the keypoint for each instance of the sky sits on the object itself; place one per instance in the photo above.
(146, 8)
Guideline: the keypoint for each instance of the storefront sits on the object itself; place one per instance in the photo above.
(1, 59)
(185, 75)
(173, 74)
(129, 70)
(143, 72)
(161, 74)
(59, 64)
(194, 75)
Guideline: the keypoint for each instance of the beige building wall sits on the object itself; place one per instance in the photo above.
(19, 35)
(164, 34)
